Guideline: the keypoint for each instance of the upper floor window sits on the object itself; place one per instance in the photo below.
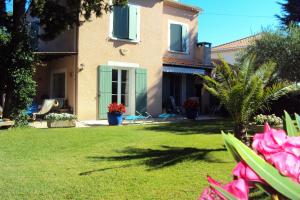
(125, 23)
(178, 37)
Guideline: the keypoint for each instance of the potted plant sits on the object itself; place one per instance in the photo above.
(191, 108)
(260, 120)
(115, 112)
(62, 120)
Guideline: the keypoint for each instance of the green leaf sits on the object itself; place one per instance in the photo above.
(226, 194)
(270, 174)
(262, 187)
(230, 148)
(297, 120)
(290, 128)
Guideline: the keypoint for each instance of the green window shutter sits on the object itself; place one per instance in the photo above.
(176, 37)
(104, 87)
(141, 90)
(121, 22)
(133, 12)
(184, 39)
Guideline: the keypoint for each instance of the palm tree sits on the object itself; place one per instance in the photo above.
(244, 90)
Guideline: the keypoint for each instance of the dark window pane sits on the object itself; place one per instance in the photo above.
(121, 22)
(124, 99)
(176, 37)
(124, 88)
(58, 87)
(114, 99)
(114, 88)
(124, 75)
(114, 75)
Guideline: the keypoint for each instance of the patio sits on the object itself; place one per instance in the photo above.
(95, 123)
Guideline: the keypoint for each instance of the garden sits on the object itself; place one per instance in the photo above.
(166, 161)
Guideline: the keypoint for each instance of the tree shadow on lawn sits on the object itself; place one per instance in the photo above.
(166, 157)
(198, 127)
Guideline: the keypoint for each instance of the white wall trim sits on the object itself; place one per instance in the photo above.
(123, 64)
(131, 67)
(169, 36)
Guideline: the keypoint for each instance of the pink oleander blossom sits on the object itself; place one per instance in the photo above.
(242, 170)
(238, 188)
(279, 150)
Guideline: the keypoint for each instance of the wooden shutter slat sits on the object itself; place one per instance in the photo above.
(141, 90)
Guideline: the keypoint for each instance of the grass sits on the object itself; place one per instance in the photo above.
(168, 161)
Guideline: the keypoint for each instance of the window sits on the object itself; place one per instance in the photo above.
(125, 23)
(178, 38)
(120, 86)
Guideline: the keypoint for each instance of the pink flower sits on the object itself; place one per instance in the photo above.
(280, 150)
(270, 141)
(242, 170)
(237, 188)
(292, 145)
(287, 164)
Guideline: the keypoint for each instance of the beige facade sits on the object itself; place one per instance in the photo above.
(231, 50)
(95, 47)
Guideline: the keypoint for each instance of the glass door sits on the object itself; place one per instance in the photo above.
(120, 87)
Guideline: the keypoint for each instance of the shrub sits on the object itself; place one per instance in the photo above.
(273, 120)
(60, 117)
(191, 104)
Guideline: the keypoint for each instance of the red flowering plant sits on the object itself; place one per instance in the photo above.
(116, 108)
(191, 104)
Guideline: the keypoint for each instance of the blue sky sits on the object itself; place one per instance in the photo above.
(227, 20)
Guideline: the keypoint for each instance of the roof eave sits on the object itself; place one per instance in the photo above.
(183, 6)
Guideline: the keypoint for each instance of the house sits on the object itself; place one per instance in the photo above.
(229, 51)
(138, 55)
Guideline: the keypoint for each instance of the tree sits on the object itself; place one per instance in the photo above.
(280, 46)
(291, 9)
(244, 90)
(17, 58)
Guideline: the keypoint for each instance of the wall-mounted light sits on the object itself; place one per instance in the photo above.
(81, 66)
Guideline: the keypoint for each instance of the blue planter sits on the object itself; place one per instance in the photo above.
(191, 113)
(114, 119)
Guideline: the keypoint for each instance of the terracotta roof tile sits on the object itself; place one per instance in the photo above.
(182, 62)
(238, 44)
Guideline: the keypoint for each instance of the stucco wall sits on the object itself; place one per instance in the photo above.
(229, 56)
(67, 64)
(44, 73)
(183, 16)
(95, 48)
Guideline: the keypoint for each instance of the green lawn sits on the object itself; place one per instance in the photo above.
(167, 161)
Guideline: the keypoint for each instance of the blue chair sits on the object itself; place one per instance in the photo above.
(138, 117)
(165, 116)
(32, 109)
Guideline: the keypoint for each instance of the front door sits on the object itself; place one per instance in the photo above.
(58, 85)
(120, 88)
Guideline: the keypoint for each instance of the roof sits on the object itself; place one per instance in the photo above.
(184, 6)
(54, 55)
(183, 62)
(237, 44)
